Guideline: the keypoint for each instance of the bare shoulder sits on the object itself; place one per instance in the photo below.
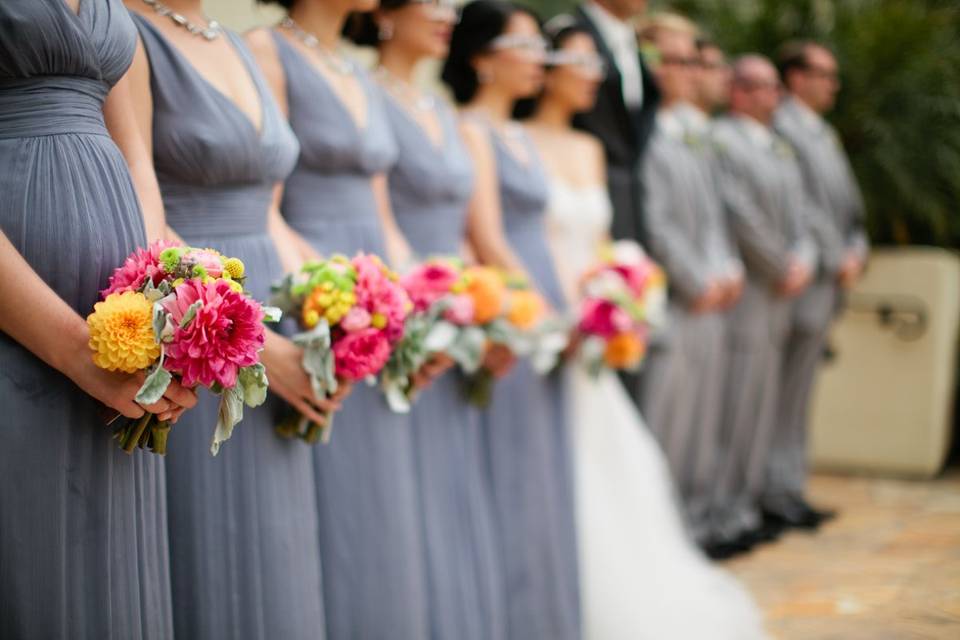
(264, 49)
(474, 133)
(261, 45)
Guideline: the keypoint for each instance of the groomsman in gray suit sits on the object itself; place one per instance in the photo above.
(767, 207)
(681, 391)
(809, 72)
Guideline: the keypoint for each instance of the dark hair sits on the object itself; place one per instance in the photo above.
(480, 22)
(286, 4)
(703, 43)
(792, 56)
(362, 29)
(557, 31)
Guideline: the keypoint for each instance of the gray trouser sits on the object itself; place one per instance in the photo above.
(786, 473)
(680, 398)
(751, 401)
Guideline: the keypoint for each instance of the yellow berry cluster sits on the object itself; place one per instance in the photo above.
(326, 301)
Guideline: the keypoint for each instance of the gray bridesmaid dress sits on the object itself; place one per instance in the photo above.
(373, 568)
(243, 525)
(83, 542)
(527, 439)
(430, 188)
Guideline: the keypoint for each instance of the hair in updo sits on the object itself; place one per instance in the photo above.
(480, 23)
(362, 29)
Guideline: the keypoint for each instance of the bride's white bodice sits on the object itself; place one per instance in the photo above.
(578, 222)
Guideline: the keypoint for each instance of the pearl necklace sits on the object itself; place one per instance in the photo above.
(405, 92)
(210, 32)
(336, 63)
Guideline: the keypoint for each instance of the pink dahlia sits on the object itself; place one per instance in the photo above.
(428, 283)
(381, 296)
(139, 265)
(603, 318)
(361, 354)
(226, 334)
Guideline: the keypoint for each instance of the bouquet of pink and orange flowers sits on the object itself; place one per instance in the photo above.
(352, 314)
(172, 310)
(624, 298)
(444, 320)
(512, 314)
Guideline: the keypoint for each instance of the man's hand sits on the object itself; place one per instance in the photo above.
(709, 299)
(850, 270)
(797, 278)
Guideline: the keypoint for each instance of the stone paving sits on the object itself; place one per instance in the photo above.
(888, 568)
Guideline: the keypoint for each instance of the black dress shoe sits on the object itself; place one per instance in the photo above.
(769, 531)
(790, 516)
(725, 549)
(823, 515)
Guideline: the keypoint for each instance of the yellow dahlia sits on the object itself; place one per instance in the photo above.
(121, 333)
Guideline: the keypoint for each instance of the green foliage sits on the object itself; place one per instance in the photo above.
(899, 111)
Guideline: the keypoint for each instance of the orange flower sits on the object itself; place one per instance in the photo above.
(624, 351)
(488, 292)
(526, 309)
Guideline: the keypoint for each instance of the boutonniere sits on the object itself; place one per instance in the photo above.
(693, 140)
(782, 148)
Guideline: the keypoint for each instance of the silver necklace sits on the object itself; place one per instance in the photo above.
(336, 63)
(210, 32)
(405, 92)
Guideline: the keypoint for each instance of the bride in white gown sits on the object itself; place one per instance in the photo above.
(641, 576)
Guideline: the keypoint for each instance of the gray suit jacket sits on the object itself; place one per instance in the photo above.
(674, 202)
(830, 184)
(762, 190)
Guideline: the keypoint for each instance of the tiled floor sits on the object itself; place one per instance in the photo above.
(888, 568)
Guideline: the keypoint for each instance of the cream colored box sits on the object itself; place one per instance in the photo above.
(884, 405)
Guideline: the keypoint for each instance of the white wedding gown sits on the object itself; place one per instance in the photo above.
(641, 576)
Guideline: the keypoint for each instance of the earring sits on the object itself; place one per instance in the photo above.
(386, 31)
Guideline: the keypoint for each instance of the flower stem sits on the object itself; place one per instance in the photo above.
(158, 437)
(133, 434)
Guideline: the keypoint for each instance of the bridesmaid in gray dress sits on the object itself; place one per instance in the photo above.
(525, 426)
(430, 188)
(83, 543)
(243, 525)
(373, 568)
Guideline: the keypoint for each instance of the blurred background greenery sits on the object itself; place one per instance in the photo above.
(899, 111)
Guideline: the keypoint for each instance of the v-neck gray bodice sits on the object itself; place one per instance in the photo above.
(331, 184)
(430, 185)
(216, 170)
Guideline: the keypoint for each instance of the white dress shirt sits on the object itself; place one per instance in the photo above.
(621, 39)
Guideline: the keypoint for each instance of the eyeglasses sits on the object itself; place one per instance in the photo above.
(589, 63)
(714, 66)
(820, 72)
(680, 61)
(532, 46)
(440, 8)
(758, 85)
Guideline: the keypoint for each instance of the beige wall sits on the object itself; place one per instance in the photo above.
(241, 15)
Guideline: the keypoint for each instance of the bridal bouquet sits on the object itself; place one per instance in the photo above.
(352, 315)
(624, 297)
(443, 320)
(175, 311)
(516, 317)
